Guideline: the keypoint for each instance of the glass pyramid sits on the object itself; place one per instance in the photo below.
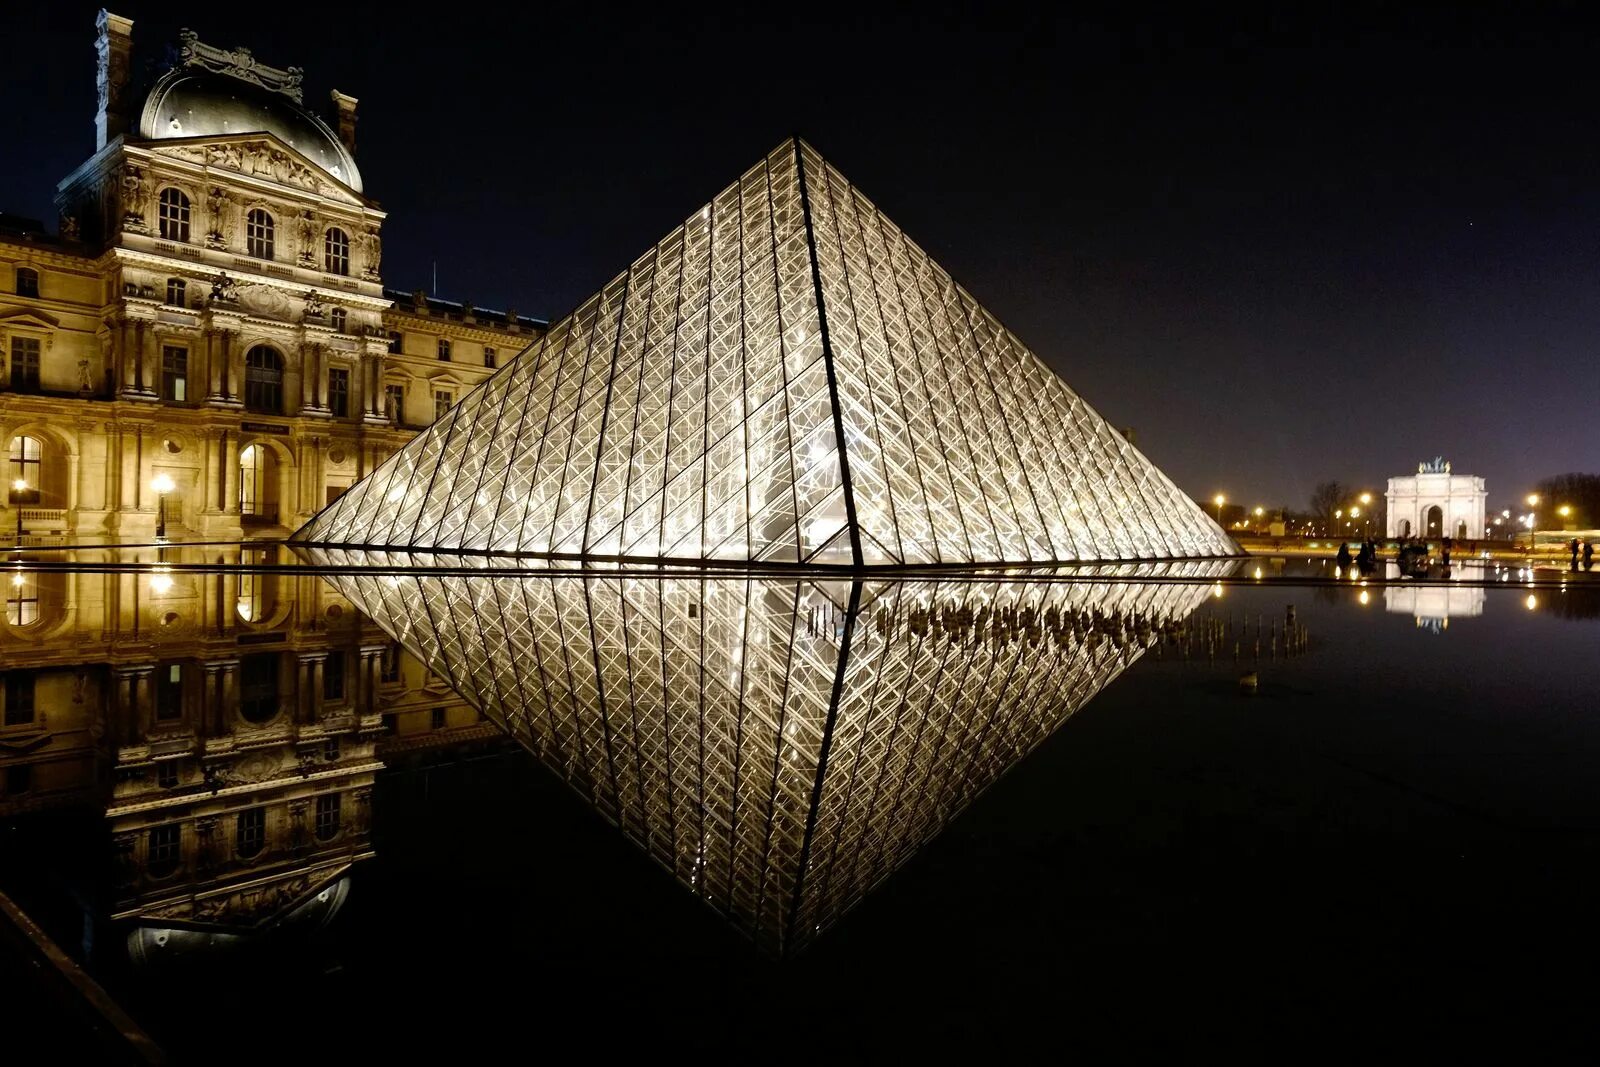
(787, 378)
(780, 746)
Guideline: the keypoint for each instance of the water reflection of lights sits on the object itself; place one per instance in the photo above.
(1532, 602)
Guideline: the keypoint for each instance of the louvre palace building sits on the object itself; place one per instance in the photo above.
(211, 309)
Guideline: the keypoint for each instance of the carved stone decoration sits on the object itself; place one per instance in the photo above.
(135, 199)
(308, 239)
(68, 227)
(239, 63)
(256, 767)
(264, 300)
(314, 306)
(224, 290)
(219, 211)
(372, 250)
(261, 159)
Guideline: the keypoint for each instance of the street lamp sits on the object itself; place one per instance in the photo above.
(19, 487)
(162, 484)
(1219, 500)
(1533, 516)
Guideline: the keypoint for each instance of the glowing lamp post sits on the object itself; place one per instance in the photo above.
(1219, 500)
(162, 484)
(18, 488)
(1533, 517)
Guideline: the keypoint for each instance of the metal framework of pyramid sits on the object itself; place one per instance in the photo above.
(780, 746)
(785, 378)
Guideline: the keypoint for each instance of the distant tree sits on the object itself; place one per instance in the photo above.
(1326, 498)
(1580, 492)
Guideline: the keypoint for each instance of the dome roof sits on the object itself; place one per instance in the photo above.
(188, 103)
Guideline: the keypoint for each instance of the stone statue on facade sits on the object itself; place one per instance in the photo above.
(314, 308)
(372, 250)
(135, 198)
(224, 290)
(308, 237)
(217, 205)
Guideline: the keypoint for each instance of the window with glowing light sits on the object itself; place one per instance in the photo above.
(22, 599)
(26, 455)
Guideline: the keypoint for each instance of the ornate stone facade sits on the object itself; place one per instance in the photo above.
(212, 309)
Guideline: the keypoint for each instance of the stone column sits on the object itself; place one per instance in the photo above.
(128, 335)
(213, 369)
(150, 358)
(309, 706)
(365, 698)
(230, 473)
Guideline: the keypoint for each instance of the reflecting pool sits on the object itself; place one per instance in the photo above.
(938, 813)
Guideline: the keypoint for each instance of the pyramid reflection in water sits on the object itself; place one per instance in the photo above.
(784, 378)
(779, 745)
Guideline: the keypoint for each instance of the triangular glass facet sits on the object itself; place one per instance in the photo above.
(785, 378)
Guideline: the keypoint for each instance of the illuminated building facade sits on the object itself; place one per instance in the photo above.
(212, 310)
(1437, 503)
(785, 378)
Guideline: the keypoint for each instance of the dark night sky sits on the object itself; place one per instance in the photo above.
(1281, 249)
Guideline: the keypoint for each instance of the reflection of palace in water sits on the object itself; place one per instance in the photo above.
(1433, 606)
(779, 745)
(228, 725)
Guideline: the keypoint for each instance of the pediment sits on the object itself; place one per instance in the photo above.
(260, 155)
(29, 317)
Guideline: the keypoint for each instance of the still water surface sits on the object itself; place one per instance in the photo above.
(1130, 812)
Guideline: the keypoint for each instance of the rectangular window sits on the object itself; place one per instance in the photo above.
(174, 373)
(395, 398)
(327, 816)
(177, 292)
(339, 391)
(27, 282)
(250, 832)
(19, 698)
(438, 719)
(441, 402)
(333, 677)
(397, 342)
(330, 750)
(25, 364)
(164, 849)
(167, 774)
(169, 692)
(489, 357)
(444, 349)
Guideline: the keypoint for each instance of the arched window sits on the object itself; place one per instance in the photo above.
(27, 281)
(174, 215)
(263, 381)
(177, 292)
(258, 234)
(336, 251)
(22, 599)
(339, 318)
(26, 454)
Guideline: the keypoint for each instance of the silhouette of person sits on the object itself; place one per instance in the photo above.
(1343, 558)
(1574, 547)
(1588, 555)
